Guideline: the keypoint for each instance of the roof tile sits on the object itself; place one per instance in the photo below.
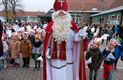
(26, 13)
(89, 4)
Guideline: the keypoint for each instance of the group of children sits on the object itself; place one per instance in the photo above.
(16, 48)
(109, 56)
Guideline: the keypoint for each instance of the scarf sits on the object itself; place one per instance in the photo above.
(37, 44)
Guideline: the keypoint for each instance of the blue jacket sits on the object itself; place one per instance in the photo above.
(117, 51)
(108, 61)
(121, 51)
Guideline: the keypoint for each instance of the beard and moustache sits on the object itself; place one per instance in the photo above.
(61, 26)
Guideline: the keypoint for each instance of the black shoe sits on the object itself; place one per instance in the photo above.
(24, 66)
(27, 65)
(17, 65)
(34, 69)
(38, 68)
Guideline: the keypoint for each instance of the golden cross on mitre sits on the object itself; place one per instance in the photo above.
(61, 1)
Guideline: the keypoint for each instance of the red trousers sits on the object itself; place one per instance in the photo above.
(107, 70)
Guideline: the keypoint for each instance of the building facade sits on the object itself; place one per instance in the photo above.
(81, 10)
(26, 16)
(111, 16)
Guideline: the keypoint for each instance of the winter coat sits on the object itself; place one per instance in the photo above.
(1, 48)
(1, 44)
(14, 47)
(96, 57)
(5, 47)
(37, 47)
(26, 48)
(121, 51)
(121, 32)
(5, 51)
(109, 61)
(118, 51)
(32, 39)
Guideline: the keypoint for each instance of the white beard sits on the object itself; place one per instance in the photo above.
(61, 27)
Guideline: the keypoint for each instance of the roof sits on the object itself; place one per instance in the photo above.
(2, 13)
(84, 5)
(26, 13)
(48, 14)
(116, 3)
(108, 11)
(88, 5)
(30, 13)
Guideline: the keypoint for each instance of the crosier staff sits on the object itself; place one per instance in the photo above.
(1, 44)
(82, 69)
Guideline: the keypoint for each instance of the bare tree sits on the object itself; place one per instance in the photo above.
(82, 14)
(10, 8)
(15, 5)
(84, 17)
(5, 3)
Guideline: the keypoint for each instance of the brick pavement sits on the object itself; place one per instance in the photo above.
(117, 74)
(19, 73)
(13, 73)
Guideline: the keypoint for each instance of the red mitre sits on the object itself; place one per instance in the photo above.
(60, 5)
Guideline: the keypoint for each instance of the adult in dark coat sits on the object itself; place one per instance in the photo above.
(121, 36)
(121, 33)
(1, 44)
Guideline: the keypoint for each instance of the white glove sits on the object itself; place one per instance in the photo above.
(47, 53)
(40, 58)
(89, 61)
(82, 33)
(48, 56)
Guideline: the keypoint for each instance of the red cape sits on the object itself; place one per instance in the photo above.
(46, 43)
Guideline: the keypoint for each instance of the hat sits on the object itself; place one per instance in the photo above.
(105, 36)
(26, 33)
(60, 4)
(114, 42)
(97, 40)
(39, 30)
(32, 31)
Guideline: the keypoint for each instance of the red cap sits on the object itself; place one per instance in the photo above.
(60, 4)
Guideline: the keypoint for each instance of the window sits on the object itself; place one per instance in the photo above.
(119, 18)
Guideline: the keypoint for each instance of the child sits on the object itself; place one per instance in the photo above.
(14, 46)
(96, 59)
(37, 49)
(5, 52)
(26, 50)
(109, 59)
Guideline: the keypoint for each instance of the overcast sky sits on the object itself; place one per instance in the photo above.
(37, 5)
